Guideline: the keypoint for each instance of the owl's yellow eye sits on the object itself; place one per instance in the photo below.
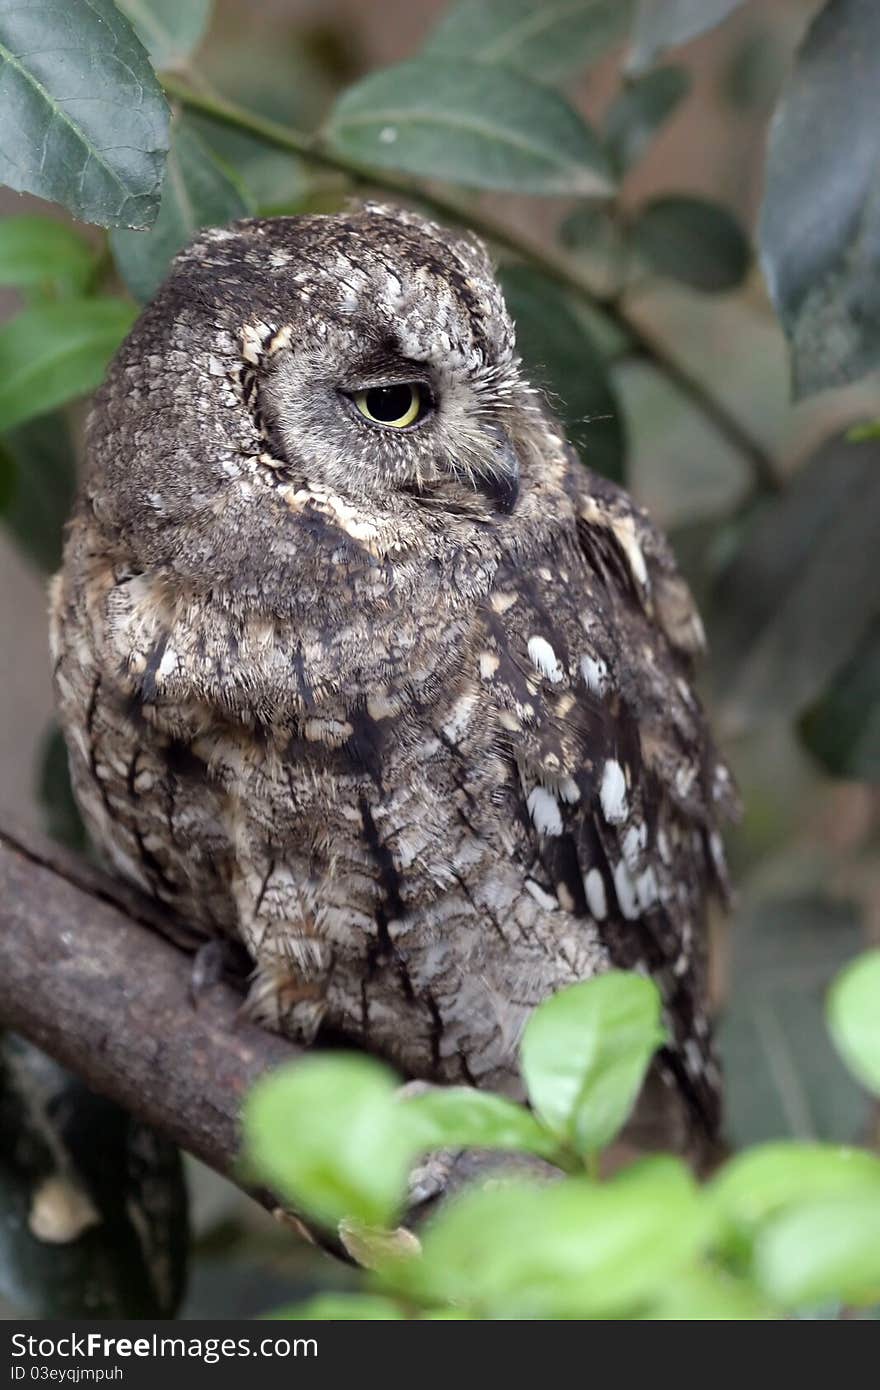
(395, 406)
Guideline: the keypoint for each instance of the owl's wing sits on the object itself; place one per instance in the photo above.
(620, 790)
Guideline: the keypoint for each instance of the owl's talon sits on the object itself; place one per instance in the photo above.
(214, 961)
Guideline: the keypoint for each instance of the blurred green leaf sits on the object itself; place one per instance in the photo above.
(169, 29)
(820, 224)
(83, 120)
(638, 112)
(561, 359)
(585, 1053)
(755, 1186)
(471, 124)
(590, 226)
(802, 591)
(547, 40)
(782, 1075)
(691, 240)
(327, 1134)
(664, 24)
(458, 1117)
(199, 192)
(825, 1250)
(93, 1205)
(341, 1307)
(562, 1250)
(55, 352)
(708, 1295)
(854, 1018)
(61, 813)
(842, 729)
(39, 475)
(858, 434)
(36, 251)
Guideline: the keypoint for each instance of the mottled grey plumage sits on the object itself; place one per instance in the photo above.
(408, 711)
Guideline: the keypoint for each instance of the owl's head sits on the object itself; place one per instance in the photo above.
(321, 374)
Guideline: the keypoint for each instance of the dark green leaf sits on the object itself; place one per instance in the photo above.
(842, 729)
(782, 1074)
(820, 225)
(480, 126)
(562, 1250)
(561, 359)
(585, 1053)
(93, 1206)
(198, 192)
(327, 1134)
(457, 1117)
(755, 1186)
(691, 240)
(38, 464)
(55, 352)
(825, 1250)
(802, 591)
(590, 227)
(169, 29)
(83, 120)
(61, 812)
(854, 1018)
(664, 24)
(548, 40)
(642, 107)
(37, 251)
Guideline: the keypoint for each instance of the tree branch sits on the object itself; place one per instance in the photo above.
(562, 269)
(99, 978)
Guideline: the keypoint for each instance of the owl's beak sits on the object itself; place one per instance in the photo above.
(500, 481)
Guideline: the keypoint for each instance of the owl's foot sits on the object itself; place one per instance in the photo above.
(216, 960)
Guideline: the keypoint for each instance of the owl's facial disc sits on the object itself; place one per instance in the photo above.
(374, 420)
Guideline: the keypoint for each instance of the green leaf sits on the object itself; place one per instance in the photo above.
(458, 1117)
(854, 1018)
(561, 358)
(639, 111)
(479, 126)
(704, 1294)
(84, 121)
(327, 1134)
(826, 1250)
(37, 251)
(802, 591)
(170, 30)
(757, 1185)
(562, 1250)
(782, 1075)
(691, 240)
(664, 24)
(820, 224)
(842, 729)
(341, 1307)
(549, 40)
(39, 467)
(198, 192)
(585, 1053)
(52, 353)
(60, 810)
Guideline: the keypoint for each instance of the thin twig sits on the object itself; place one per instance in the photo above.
(562, 269)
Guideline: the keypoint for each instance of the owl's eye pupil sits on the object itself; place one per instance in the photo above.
(396, 406)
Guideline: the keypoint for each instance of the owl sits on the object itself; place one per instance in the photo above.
(359, 666)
